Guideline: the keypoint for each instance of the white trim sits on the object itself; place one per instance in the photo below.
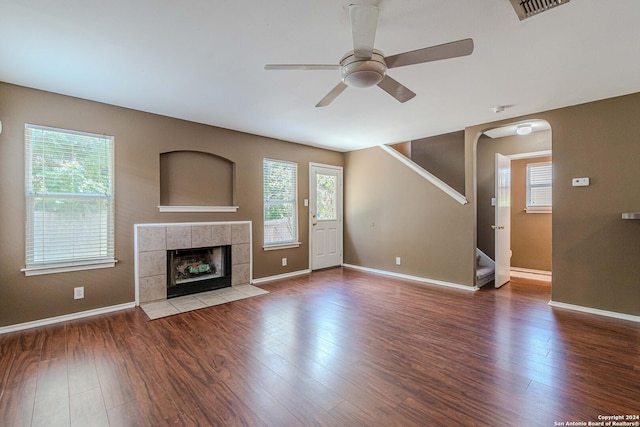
(73, 132)
(414, 278)
(279, 276)
(595, 311)
(530, 155)
(167, 224)
(531, 271)
(324, 165)
(282, 246)
(426, 175)
(65, 318)
(198, 208)
(538, 210)
(65, 268)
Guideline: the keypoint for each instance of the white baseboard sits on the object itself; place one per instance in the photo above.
(414, 278)
(279, 276)
(596, 311)
(65, 318)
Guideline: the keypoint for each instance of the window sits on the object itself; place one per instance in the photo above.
(280, 204)
(69, 197)
(539, 187)
(326, 197)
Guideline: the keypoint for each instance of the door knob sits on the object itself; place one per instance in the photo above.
(497, 227)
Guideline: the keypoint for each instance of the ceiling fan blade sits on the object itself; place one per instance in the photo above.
(328, 99)
(301, 67)
(395, 89)
(433, 53)
(364, 20)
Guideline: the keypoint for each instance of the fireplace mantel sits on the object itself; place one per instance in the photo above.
(151, 242)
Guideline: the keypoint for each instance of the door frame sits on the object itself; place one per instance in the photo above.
(519, 156)
(476, 140)
(502, 220)
(340, 196)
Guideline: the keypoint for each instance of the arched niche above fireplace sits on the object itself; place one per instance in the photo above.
(196, 181)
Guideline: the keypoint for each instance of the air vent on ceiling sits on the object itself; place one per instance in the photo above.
(528, 8)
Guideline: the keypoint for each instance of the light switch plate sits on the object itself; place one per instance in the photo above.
(580, 182)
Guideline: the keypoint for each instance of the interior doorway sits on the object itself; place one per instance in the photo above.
(520, 235)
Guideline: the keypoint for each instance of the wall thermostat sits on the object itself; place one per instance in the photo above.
(580, 182)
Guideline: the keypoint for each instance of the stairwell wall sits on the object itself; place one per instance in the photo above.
(390, 211)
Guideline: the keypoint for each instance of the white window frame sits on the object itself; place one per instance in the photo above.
(540, 207)
(76, 257)
(284, 243)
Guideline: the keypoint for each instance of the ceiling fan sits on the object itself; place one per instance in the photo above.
(365, 66)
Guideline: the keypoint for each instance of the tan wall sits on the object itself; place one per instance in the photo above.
(530, 232)
(487, 149)
(190, 178)
(139, 140)
(390, 211)
(594, 252)
(442, 156)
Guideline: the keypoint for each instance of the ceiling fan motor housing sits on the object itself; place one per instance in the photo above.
(363, 72)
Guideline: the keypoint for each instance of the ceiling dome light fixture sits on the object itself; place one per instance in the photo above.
(524, 129)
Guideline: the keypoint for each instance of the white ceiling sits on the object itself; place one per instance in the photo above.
(202, 60)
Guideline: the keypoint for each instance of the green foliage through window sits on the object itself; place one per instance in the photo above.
(327, 197)
(69, 194)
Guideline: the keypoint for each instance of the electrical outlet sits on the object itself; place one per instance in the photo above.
(78, 293)
(284, 262)
(397, 260)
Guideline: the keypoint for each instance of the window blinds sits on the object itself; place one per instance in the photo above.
(539, 181)
(69, 197)
(280, 202)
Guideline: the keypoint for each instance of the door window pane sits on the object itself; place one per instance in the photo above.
(327, 197)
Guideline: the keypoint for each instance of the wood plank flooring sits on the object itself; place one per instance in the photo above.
(338, 347)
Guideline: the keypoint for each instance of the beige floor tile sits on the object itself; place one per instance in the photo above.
(250, 290)
(158, 309)
(210, 298)
(233, 296)
(187, 303)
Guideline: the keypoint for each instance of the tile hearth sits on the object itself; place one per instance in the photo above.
(163, 308)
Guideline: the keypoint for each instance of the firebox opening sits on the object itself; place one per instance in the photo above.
(190, 271)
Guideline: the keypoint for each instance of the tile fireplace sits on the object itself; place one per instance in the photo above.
(211, 255)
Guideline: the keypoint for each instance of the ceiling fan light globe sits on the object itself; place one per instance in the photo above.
(363, 78)
(361, 73)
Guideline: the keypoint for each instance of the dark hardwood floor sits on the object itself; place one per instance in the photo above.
(339, 348)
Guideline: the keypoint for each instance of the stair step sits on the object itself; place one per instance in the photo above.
(483, 272)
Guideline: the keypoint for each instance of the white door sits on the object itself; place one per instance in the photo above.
(325, 215)
(502, 225)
